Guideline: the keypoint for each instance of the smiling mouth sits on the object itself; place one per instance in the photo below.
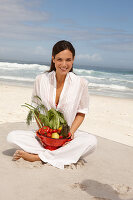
(63, 69)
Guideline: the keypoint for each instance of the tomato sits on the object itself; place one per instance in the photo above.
(44, 133)
(49, 134)
(61, 137)
(54, 130)
(51, 130)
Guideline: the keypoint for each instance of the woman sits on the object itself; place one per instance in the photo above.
(61, 89)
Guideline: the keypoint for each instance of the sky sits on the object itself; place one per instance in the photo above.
(101, 31)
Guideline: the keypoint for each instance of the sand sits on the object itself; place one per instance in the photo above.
(104, 175)
(108, 117)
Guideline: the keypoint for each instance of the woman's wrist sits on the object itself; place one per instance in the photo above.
(72, 135)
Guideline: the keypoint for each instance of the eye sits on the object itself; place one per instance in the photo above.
(59, 59)
(68, 60)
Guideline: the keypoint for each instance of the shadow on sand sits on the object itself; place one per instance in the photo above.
(101, 191)
(9, 152)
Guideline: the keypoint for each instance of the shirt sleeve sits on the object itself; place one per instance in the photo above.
(36, 91)
(84, 101)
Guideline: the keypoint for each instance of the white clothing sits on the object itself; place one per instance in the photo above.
(73, 99)
(82, 145)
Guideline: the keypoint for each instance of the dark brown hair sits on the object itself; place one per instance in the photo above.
(57, 48)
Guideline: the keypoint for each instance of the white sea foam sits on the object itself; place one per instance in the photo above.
(15, 66)
(93, 77)
(112, 87)
(80, 71)
(121, 79)
(17, 78)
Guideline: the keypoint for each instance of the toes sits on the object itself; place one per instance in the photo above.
(16, 158)
(19, 152)
(17, 155)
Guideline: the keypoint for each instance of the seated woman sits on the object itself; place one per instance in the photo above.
(61, 89)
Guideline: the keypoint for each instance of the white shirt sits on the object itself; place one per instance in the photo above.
(74, 97)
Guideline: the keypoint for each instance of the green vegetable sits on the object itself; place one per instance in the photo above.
(52, 118)
(65, 130)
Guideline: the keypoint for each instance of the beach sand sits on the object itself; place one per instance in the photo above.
(108, 117)
(104, 175)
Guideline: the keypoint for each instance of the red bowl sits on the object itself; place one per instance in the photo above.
(51, 143)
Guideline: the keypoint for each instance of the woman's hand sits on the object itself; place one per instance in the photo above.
(72, 137)
(76, 123)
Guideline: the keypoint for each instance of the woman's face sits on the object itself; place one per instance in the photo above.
(63, 62)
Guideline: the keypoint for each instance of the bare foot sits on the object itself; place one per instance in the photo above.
(26, 156)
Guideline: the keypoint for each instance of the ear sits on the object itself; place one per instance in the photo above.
(53, 59)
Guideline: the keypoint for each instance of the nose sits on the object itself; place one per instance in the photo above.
(64, 63)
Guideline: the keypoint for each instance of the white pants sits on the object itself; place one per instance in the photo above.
(82, 144)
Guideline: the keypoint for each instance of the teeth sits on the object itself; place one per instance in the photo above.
(63, 68)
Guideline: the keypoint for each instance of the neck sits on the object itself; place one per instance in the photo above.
(60, 79)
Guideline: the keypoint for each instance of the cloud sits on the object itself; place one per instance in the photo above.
(37, 53)
(17, 12)
(41, 51)
(116, 46)
(26, 29)
(92, 58)
(20, 20)
(25, 20)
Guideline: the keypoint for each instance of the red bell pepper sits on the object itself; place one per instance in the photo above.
(45, 129)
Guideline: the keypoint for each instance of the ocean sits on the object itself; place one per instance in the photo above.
(101, 81)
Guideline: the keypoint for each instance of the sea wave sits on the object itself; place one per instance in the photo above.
(121, 80)
(98, 81)
(112, 87)
(83, 71)
(15, 66)
(14, 78)
(93, 77)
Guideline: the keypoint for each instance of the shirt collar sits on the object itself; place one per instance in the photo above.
(68, 76)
